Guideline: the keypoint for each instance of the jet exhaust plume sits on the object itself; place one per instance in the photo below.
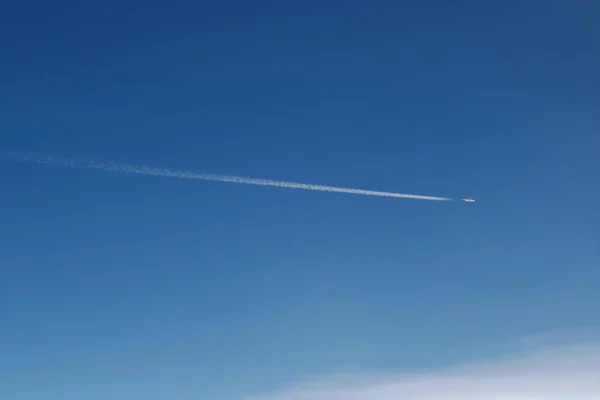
(36, 158)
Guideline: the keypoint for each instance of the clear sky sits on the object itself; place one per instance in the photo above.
(123, 287)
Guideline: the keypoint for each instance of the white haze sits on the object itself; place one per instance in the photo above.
(144, 170)
(566, 373)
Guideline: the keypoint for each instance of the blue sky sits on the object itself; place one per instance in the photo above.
(122, 286)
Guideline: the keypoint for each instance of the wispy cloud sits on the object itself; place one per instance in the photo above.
(562, 373)
(29, 157)
(561, 337)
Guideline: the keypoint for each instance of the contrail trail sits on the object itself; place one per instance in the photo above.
(36, 158)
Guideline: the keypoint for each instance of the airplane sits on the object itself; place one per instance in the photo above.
(468, 200)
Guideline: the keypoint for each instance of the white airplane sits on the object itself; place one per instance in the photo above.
(468, 200)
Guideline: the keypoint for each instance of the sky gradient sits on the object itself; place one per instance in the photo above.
(123, 286)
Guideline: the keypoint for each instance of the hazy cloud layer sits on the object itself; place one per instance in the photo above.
(565, 373)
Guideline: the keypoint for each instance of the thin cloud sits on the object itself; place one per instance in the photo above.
(565, 373)
(562, 337)
(29, 157)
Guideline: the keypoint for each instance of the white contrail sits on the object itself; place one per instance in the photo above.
(29, 157)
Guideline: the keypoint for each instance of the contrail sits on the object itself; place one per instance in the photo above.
(36, 158)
